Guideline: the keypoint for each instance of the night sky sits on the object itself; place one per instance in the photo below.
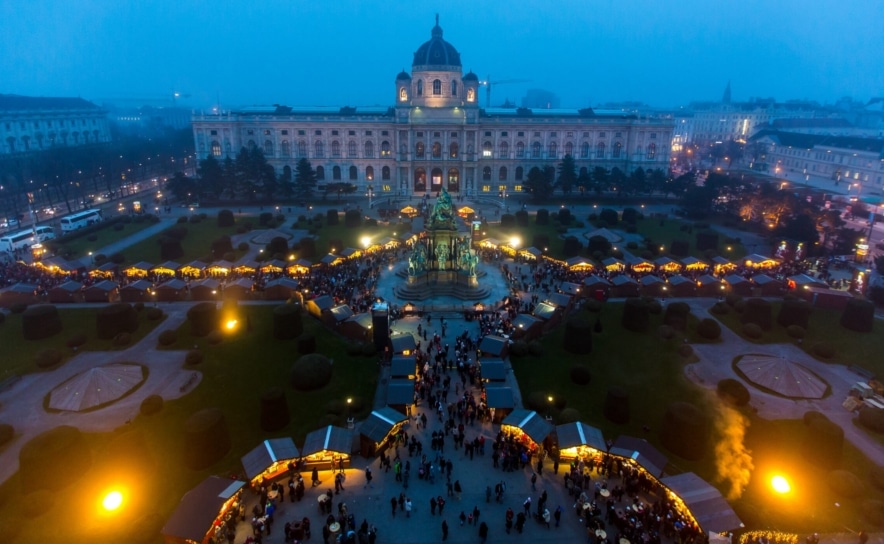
(303, 53)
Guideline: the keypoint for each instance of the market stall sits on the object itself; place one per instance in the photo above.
(559, 299)
(316, 306)
(710, 286)
(339, 313)
(526, 327)
(280, 289)
(693, 264)
(331, 260)
(465, 212)
(18, 293)
(357, 327)
(107, 271)
(680, 286)
(640, 452)
(638, 264)
(530, 254)
(400, 395)
(530, 428)
(547, 312)
(625, 286)
(492, 370)
(500, 401)
(403, 366)
(409, 211)
(239, 290)
(138, 270)
(720, 265)
(757, 261)
(579, 440)
(597, 287)
(323, 446)
(494, 346)
(193, 269)
(273, 266)
(139, 291)
(579, 264)
(299, 267)
(269, 459)
(803, 281)
(613, 264)
(69, 291)
(246, 267)
(219, 268)
(570, 288)
(402, 343)
(668, 265)
(489, 243)
(205, 289)
(652, 286)
(378, 431)
(702, 502)
(737, 284)
(171, 291)
(769, 286)
(351, 253)
(201, 510)
(58, 266)
(168, 268)
(103, 291)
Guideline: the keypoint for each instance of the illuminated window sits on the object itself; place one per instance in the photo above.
(486, 188)
(487, 149)
(369, 173)
(517, 188)
(452, 150)
(385, 149)
(437, 150)
(403, 94)
(385, 188)
(501, 188)
(216, 149)
(471, 95)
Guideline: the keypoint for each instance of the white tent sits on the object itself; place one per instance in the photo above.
(782, 376)
(97, 386)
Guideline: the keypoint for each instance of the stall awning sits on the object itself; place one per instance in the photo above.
(400, 392)
(268, 452)
(572, 435)
(402, 365)
(641, 452)
(558, 299)
(499, 397)
(199, 507)
(329, 438)
(380, 422)
(530, 423)
(493, 345)
(709, 508)
(493, 369)
(403, 342)
(341, 312)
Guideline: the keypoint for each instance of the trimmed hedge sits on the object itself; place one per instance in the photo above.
(580, 374)
(352, 219)
(311, 372)
(796, 331)
(720, 308)
(47, 358)
(709, 329)
(274, 410)
(752, 331)
(40, 322)
(812, 415)
(616, 408)
(203, 318)
(123, 339)
(823, 443)
(214, 338)
(206, 438)
(636, 315)
(794, 312)
(168, 337)
(54, 460)
(194, 357)
(676, 315)
(76, 340)
(824, 350)
(287, 322)
(734, 391)
(872, 419)
(112, 319)
(685, 350)
(220, 246)
(666, 332)
(578, 335)
(758, 311)
(226, 218)
(685, 431)
(858, 315)
(151, 405)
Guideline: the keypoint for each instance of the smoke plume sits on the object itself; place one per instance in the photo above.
(733, 462)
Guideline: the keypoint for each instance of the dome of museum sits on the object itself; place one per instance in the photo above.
(471, 77)
(436, 52)
(403, 75)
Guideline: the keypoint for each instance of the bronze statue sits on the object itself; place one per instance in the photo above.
(443, 211)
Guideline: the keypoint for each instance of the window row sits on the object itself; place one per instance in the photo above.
(286, 149)
(352, 173)
(436, 86)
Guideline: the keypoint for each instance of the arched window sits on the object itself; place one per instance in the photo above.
(268, 148)
(420, 87)
(320, 173)
(369, 173)
(454, 88)
(486, 173)
(216, 148)
(317, 149)
(652, 151)
(354, 173)
(520, 150)
(452, 150)
(385, 173)
(436, 179)
(584, 150)
(553, 150)
(437, 87)
(437, 150)
(502, 174)
(504, 150)
(536, 150)
(453, 180)
(302, 148)
(336, 149)
(251, 145)
(487, 149)
(600, 150)
(385, 149)
(420, 180)
(569, 148)
(336, 173)
(520, 172)
(286, 148)
(471, 95)
(403, 150)
(75, 138)
(369, 149)
(469, 151)
(351, 149)
(403, 94)
(419, 150)
(616, 151)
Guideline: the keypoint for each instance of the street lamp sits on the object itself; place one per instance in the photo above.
(370, 191)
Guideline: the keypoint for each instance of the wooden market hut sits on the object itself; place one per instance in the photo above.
(759, 262)
(299, 267)
(358, 327)
(269, 459)
(527, 424)
(351, 253)
(489, 243)
(107, 271)
(500, 399)
(721, 266)
(641, 452)
(625, 286)
(527, 327)
(323, 446)
(549, 313)
(281, 288)
(138, 291)
(680, 286)
(193, 269)
(613, 264)
(652, 286)
(530, 253)
(69, 291)
(18, 293)
(103, 291)
(578, 439)
(171, 291)
(768, 286)
(139, 270)
(167, 269)
(219, 269)
(597, 287)
(734, 283)
(338, 314)
(317, 306)
(667, 265)
(706, 504)
(400, 395)
(402, 343)
(403, 366)
(246, 267)
(799, 282)
(579, 264)
(494, 346)
(693, 264)
(823, 297)
(240, 289)
(638, 264)
(571, 289)
(193, 520)
(59, 266)
(710, 286)
(331, 260)
(560, 299)
(205, 289)
(379, 430)
(492, 370)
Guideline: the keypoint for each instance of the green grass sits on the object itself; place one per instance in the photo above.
(665, 231)
(235, 373)
(18, 358)
(80, 247)
(555, 248)
(339, 237)
(197, 245)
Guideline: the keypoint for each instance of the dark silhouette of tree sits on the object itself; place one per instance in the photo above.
(211, 176)
(567, 174)
(182, 187)
(538, 184)
(305, 180)
(285, 183)
(600, 179)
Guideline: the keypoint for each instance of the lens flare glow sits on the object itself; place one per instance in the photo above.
(780, 484)
(231, 324)
(112, 501)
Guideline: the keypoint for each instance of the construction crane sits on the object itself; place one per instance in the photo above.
(488, 83)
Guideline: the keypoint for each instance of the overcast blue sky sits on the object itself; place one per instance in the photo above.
(348, 52)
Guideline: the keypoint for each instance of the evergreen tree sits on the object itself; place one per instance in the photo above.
(538, 184)
(305, 180)
(567, 174)
(211, 176)
(285, 183)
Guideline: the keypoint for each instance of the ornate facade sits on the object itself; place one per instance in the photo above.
(435, 135)
(31, 123)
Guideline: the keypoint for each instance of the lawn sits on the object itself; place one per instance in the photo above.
(339, 237)
(196, 245)
(18, 357)
(665, 231)
(235, 374)
(527, 236)
(652, 373)
(81, 247)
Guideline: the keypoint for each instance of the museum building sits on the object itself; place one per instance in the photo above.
(435, 135)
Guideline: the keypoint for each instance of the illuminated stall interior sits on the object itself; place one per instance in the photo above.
(403, 366)
(693, 264)
(379, 430)
(757, 261)
(388, 243)
(579, 440)
(193, 269)
(246, 267)
(531, 253)
(803, 281)
(299, 267)
(105, 271)
(720, 265)
(409, 211)
(466, 212)
(323, 446)
(168, 268)
(331, 260)
(400, 395)
(219, 268)
(489, 243)
(637, 264)
(351, 253)
(57, 265)
(274, 266)
(201, 510)
(402, 343)
(613, 264)
(269, 459)
(579, 264)
(698, 500)
(640, 452)
(528, 426)
(138, 270)
(668, 265)
(500, 401)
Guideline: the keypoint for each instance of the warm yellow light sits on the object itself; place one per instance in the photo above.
(112, 500)
(780, 484)
(515, 241)
(231, 324)
(365, 241)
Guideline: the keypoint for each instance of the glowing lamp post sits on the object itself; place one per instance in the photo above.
(780, 484)
(112, 501)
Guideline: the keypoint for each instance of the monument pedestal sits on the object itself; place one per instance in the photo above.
(443, 277)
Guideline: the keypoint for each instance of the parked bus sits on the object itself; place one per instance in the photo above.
(80, 220)
(26, 238)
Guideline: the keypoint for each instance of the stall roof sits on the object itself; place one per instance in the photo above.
(400, 392)
(174, 283)
(559, 299)
(650, 279)
(26, 288)
(329, 438)
(593, 281)
(691, 261)
(706, 503)
(245, 283)
(706, 279)
(493, 369)
(341, 312)
(493, 345)
(570, 288)
(578, 262)
(169, 265)
(735, 279)
(525, 321)
(678, 280)
(142, 265)
(70, 286)
(105, 285)
(380, 422)
(623, 279)
(642, 452)
(282, 282)
(199, 507)
(804, 279)
(403, 342)
(580, 434)
(499, 396)
(266, 453)
(531, 424)
(764, 279)
(363, 320)
(402, 365)
(140, 285)
(208, 283)
(323, 302)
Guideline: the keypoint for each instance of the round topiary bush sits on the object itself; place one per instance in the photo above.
(537, 401)
(654, 307)
(616, 407)
(812, 415)
(274, 410)
(226, 218)
(873, 511)
(7, 432)
(306, 344)
(206, 438)
(578, 335)
(795, 331)
(593, 305)
(113, 319)
(758, 311)
(733, 391)
(666, 332)
(876, 477)
(519, 348)
(123, 339)
(287, 322)
(18, 308)
(153, 314)
(636, 315)
(39, 502)
(138, 306)
(168, 337)
(40, 321)
(720, 308)
(152, 404)
(194, 357)
(203, 318)
(311, 372)
(823, 443)
(740, 306)
(685, 431)
(676, 315)
(845, 483)
(214, 338)
(76, 340)
(824, 350)
(54, 460)
(535, 348)
(47, 358)
(751, 330)
(569, 415)
(580, 374)
(858, 315)
(685, 350)
(872, 418)
(709, 329)
(794, 311)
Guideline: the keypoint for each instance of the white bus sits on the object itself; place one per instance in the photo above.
(80, 220)
(26, 238)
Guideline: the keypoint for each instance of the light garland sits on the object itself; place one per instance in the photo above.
(772, 537)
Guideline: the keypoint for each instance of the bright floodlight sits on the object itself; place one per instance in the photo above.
(365, 241)
(231, 324)
(112, 500)
(515, 241)
(780, 484)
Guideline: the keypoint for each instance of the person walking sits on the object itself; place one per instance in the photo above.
(476, 515)
(368, 478)
(408, 508)
(444, 530)
(558, 515)
(432, 506)
(483, 532)
(440, 502)
(546, 517)
(534, 481)
(509, 519)
(393, 504)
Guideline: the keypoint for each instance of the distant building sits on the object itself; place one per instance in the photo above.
(434, 135)
(35, 123)
(150, 119)
(540, 99)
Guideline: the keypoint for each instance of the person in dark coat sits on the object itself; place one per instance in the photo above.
(444, 530)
